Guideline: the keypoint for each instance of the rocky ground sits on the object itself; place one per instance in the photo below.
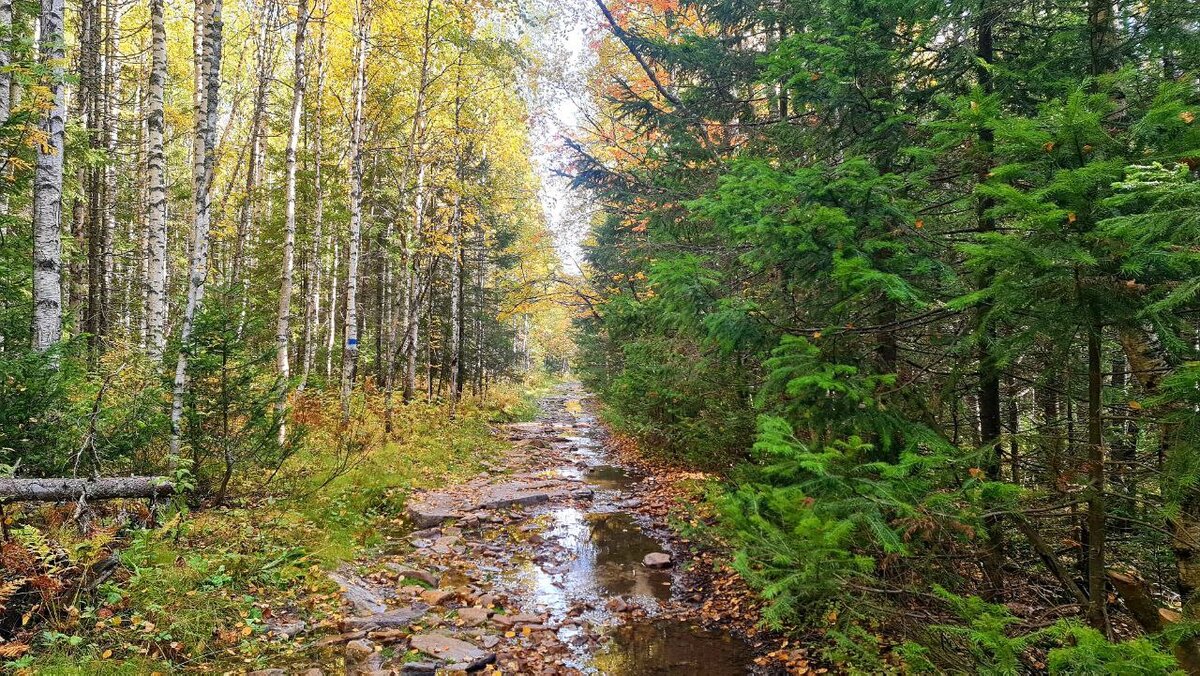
(554, 561)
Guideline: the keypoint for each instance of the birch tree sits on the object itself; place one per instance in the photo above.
(283, 325)
(312, 308)
(350, 352)
(208, 39)
(156, 173)
(48, 187)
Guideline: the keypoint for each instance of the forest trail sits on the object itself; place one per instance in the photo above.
(538, 566)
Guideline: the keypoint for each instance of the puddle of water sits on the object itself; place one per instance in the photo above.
(610, 477)
(670, 647)
(607, 550)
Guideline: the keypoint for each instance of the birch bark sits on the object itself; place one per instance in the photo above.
(208, 82)
(283, 326)
(156, 173)
(350, 352)
(312, 310)
(48, 188)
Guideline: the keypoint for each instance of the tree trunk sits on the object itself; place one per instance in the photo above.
(108, 119)
(350, 352)
(413, 290)
(156, 172)
(283, 326)
(59, 490)
(1097, 612)
(6, 30)
(989, 373)
(48, 187)
(312, 309)
(208, 82)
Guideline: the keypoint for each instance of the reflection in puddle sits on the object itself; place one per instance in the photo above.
(670, 647)
(609, 477)
(607, 550)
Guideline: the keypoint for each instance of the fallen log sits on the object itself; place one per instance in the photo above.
(66, 490)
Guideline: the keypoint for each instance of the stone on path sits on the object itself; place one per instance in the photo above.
(514, 620)
(452, 649)
(363, 599)
(398, 618)
(434, 508)
(473, 617)
(436, 597)
(362, 658)
(657, 560)
(412, 573)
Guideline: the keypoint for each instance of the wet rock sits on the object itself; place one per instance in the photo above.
(437, 597)
(490, 641)
(452, 650)
(400, 617)
(657, 560)
(433, 510)
(388, 636)
(506, 621)
(419, 669)
(339, 638)
(362, 658)
(355, 591)
(617, 604)
(453, 578)
(473, 617)
(526, 493)
(411, 573)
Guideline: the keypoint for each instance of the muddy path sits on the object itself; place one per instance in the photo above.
(540, 565)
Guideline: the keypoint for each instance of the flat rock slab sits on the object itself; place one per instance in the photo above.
(358, 594)
(530, 493)
(434, 508)
(517, 619)
(451, 649)
(392, 619)
(473, 617)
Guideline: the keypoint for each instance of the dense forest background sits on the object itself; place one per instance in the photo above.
(251, 200)
(281, 261)
(922, 278)
(914, 282)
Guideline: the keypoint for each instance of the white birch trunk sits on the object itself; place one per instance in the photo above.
(331, 337)
(412, 329)
(156, 174)
(350, 352)
(6, 28)
(108, 122)
(283, 326)
(208, 80)
(312, 310)
(48, 187)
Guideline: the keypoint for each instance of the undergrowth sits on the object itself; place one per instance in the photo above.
(200, 590)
